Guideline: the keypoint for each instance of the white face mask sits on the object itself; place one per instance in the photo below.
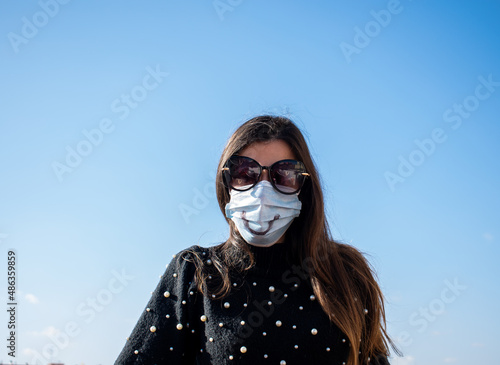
(262, 214)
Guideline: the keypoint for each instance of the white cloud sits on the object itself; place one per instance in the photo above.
(406, 360)
(48, 331)
(395, 298)
(450, 360)
(29, 352)
(488, 236)
(31, 298)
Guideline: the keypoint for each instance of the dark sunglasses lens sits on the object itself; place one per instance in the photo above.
(243, 172)
(287, 176)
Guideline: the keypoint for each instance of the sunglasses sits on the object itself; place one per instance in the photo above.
(243, 173)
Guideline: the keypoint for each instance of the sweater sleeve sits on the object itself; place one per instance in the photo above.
(163, 333)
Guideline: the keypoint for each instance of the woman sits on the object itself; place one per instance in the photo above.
(280, 290)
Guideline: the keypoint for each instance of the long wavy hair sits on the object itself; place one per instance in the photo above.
(342, 279)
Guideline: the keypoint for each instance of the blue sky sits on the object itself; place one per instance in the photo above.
(114, 116)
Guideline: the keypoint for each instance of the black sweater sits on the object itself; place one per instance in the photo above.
(270, 317)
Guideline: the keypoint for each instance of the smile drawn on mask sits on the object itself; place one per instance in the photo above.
(243, 216)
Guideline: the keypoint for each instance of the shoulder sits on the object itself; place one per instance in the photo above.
(353, 263)
(171, 308)
(195, 251)
(353, 259)
(191, 258)
(180, 275)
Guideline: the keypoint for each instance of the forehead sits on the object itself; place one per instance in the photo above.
(267, 153)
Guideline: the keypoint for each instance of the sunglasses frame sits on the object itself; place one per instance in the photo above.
(227, 176)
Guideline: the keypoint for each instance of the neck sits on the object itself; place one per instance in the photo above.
(273, 257)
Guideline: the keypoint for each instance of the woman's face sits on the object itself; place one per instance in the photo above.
(267, 153)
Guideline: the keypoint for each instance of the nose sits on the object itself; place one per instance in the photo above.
(265, 175)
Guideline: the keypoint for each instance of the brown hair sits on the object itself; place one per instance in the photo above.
(341, 277)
